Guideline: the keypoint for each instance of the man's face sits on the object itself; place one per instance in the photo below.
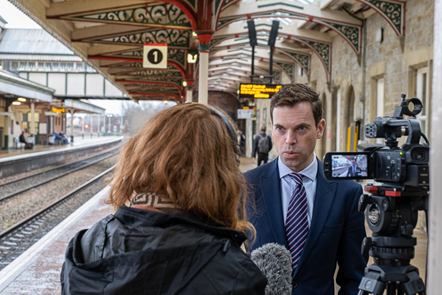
(295, 134)
(353, 162)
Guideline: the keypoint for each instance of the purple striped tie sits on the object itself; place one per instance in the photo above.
(296, 226)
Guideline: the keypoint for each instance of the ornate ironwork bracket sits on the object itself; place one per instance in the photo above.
(392, 11)
(171, 37)
(288, 69)
(153, 15)
(304, 61)
(351, 34)
(140, 65)
(323, 51)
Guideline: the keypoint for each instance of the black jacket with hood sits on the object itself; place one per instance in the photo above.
(138, 251)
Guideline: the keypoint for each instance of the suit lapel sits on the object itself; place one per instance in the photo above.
(271, 195)
(325, 194)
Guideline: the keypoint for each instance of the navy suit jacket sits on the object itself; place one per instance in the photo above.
(335, 236)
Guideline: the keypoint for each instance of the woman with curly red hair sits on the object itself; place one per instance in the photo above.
(180, 221)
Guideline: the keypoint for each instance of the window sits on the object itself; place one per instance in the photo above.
(23, 66)
(70, 66)
(300, 71)
(422, 93)
(41, 66)
(14, 66)
(88, 68)
(5, 65)
(79, 67)
(63, 67)
(48, 66)
(380, 102)
(31, 66)
(55, 66)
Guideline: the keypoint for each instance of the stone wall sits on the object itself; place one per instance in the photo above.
(395, 59)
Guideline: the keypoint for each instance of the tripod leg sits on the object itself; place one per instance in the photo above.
(391, 288)
(362, 292)
(415, 284)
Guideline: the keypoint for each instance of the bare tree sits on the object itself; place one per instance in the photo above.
(136, 114)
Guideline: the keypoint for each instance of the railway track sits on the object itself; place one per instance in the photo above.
(19, 237)
(16, 187)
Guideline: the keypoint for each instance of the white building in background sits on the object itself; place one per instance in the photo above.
(41, 80)
(36, 56)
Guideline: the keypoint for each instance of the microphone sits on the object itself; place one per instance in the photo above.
(275, 262)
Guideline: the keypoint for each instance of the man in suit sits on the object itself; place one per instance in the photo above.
(294, 205)
(354, 169)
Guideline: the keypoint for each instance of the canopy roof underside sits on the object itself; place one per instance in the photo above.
(109, 35)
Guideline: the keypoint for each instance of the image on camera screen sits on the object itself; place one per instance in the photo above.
(349, 166)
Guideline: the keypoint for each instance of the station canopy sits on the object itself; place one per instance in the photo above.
(110, 34)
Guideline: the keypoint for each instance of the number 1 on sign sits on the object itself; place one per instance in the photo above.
(155, 56)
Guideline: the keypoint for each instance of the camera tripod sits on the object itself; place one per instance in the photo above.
(392, 220)
(396, 276)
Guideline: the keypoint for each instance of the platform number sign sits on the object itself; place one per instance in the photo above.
(155, 56)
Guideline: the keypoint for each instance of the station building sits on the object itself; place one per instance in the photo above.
(42, 79)
(395, 57)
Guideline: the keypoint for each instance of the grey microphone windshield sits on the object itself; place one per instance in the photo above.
(275, 262)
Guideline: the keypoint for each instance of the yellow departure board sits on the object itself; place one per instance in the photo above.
(258, 91)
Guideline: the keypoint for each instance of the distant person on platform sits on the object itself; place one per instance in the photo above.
(28, 146)
(263, 145)
(22, 138)
(354, 169)
(64, 139)
(180, 218)
(241, 142)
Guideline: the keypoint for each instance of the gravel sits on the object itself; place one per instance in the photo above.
(34, 180)
(24, 205)
(13, 246)
(7, 179)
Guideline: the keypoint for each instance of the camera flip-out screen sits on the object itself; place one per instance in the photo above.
(349, 166)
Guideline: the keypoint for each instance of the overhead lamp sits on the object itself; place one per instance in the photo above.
(184, 83)
(21, 99)
(1, 67)
(192, 56)
(16, 103)
(165, 102)
(194, 34)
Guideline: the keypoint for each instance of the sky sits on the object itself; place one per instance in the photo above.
(18, 20)
(15, 18)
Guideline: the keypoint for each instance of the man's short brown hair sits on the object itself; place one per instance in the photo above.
(291, 94)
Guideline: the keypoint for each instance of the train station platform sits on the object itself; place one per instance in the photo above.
(37, 271)
(78, 142)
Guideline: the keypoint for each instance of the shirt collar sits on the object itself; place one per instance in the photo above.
(310, 171)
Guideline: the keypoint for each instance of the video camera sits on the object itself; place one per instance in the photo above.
(393, 201)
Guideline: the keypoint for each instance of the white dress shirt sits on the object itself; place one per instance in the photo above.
(288, 186)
